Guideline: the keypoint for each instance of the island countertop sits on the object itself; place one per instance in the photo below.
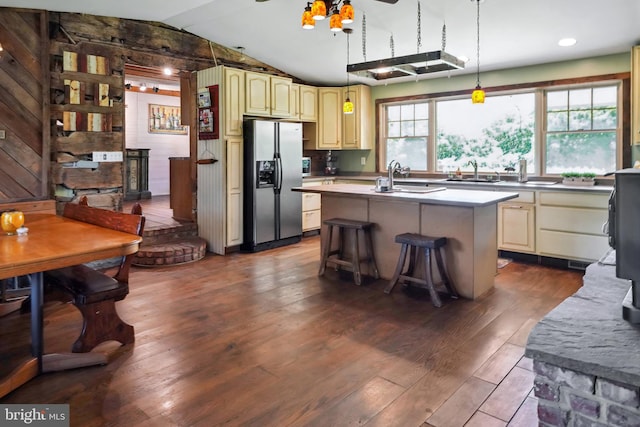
(467, 218)
(425, 195)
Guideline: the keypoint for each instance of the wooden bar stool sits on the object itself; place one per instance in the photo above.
(417, 243)
(343, 226)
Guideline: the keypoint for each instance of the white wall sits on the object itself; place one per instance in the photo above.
(162, 146)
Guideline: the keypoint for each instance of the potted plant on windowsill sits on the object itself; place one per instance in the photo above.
(579, 178)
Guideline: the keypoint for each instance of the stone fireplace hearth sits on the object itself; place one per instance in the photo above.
(587, 357)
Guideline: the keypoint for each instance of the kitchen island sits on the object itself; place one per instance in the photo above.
(468, 218)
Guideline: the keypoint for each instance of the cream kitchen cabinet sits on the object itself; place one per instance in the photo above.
(233, 107)
(516, 223)
(329, 118)
(311, 205)
(266, 95)
(337, 130)
(635, 95)
(569, 225)
(308, 101)
(234, 191)
(357, 127)
(305, 103)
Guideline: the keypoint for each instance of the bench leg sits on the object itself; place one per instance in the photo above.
(100, 323)
(399, 266)
(435, 298)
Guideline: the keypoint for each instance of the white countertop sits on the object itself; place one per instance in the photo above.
(437, 196)
(534, 184)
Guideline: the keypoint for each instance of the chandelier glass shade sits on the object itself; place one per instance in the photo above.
(335, 23)
(346, 12)
(307, 18)
(319, 10)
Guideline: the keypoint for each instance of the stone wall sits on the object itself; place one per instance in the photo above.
(570, 398)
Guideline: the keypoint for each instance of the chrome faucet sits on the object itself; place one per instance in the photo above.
(393, 167)
(474, 163)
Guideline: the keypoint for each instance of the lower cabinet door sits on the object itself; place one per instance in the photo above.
(311, 220)
(516, 227)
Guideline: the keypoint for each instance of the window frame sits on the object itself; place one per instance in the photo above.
(622, 80)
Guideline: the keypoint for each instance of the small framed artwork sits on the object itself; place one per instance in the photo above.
(208, 116)
(165, 119)
(204, 99)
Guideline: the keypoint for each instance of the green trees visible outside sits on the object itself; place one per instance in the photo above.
(502, 144)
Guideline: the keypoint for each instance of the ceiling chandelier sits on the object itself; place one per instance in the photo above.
(321, 9)
(477, 96)
(408, 65)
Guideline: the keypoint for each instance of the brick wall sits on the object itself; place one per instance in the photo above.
(575, 399)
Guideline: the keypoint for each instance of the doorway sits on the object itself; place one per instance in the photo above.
(154, 134)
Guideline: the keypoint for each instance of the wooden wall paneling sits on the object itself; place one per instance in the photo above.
(107, 175)
(23, 156)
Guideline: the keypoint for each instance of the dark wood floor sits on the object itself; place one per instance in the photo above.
(260, 340)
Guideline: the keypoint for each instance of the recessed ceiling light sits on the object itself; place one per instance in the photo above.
(167, 71)
(567, 42)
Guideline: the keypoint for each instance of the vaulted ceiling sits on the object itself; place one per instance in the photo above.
(512, 33)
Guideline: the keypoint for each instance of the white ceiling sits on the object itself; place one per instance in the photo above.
(513, 33)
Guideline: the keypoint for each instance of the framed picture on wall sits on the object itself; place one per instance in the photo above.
(165, 119)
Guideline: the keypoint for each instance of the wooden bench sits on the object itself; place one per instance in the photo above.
(337, 256)
(94, 293)
(417, 243)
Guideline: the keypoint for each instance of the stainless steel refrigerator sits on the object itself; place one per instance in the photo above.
(272, 167)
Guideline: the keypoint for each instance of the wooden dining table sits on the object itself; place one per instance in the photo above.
(52, 242)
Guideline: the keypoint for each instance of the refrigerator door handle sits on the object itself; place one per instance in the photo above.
(278, 186)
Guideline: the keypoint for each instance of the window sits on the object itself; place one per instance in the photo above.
(570, 129)
(496, 134)
(581, 134)
(407, 133)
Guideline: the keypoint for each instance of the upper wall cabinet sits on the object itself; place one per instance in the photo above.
(635, 95)
(269, 96)
(337, 130)
(305, 103)
(329, 118)
(308, 99)
(356, 127)
(281, 97)
(233, 107)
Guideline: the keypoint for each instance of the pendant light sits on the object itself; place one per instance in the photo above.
(347, 107)
(307, 18)
(477, 96)
(319, 10)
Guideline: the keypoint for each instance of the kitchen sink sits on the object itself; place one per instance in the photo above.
(483, 180)
(416, 189)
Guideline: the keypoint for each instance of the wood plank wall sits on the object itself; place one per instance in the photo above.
(63, 117)
(24, 156)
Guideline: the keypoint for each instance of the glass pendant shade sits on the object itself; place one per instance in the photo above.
(346, 12)
(335, 24)
(308, 23)
(347, 107)
(319, 10)
(477, 96)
